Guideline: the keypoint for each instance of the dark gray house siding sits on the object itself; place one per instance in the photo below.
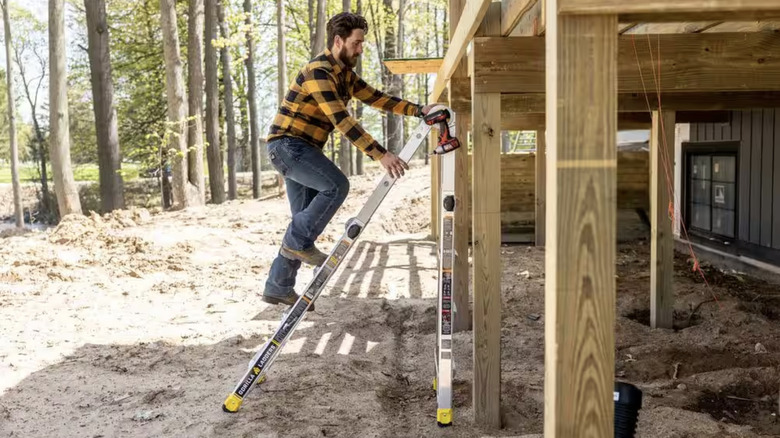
(758, 170)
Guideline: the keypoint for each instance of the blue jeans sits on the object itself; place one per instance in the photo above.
(316, 188)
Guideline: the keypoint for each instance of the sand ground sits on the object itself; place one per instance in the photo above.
(136, 324)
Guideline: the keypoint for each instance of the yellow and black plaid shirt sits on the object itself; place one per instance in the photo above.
(317, 102)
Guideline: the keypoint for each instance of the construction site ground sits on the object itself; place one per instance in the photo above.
(139, 323)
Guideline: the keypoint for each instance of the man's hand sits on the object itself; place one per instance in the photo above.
(427, 108)
(394, 165)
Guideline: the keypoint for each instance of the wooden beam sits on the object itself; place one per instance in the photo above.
(435, 184)
(701, 62)
(745, 26)
(697, 16)
(460, 279)
(511, 12)
(531, 23)
(413, 65)
(667, 28)
(486, 238)
(581, 221)
(670, 9)
(541, 187)
(661, 237)
(513, 104)
(474, 11)
(516, 121)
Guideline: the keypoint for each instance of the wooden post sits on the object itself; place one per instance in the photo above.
(581, 93)
(661, 237)
(540, 187)
(435, 178)
(486, 237)
(462, 181)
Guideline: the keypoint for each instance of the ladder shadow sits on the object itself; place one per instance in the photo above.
(373, 258)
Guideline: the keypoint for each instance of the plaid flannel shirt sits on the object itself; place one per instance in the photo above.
(317, 102)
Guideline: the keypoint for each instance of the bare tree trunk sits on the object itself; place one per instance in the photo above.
(216, 171)
(177, 112)
(59, 138)
(109, 159)
(243, 117)
(230, 116)
(254, 124)
(359, 106)
(281, 67)
(17, 186)
(312, 25)
(427, 91)
(436, 29)
(33, 102)
(319, 36)
(394, 134)
(399, 79)
(345, 158)
(195, 171)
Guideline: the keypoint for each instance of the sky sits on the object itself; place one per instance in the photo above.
(39, 8)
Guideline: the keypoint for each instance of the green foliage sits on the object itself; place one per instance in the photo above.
(138, 66)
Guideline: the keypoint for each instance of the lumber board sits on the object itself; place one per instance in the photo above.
(700, 62)
(661, 237)
(474, 11)
(511, 12)
(531, 23)
(486, 241)
(514, 103)
(669, 10)
(463, 321)
(540, 187)
(581, 221)
(667, 28)
(435, 186)
(486, 224)
(514, 121)
(406, 66)
(745, 26)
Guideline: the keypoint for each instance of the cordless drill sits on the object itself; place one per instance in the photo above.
(447, 143)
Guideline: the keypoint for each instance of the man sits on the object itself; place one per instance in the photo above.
(315, 105)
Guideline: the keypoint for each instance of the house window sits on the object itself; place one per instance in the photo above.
(712, 192)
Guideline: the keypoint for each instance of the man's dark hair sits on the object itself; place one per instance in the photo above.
(342, 24)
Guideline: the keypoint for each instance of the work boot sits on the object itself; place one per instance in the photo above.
(310, 256)
(288, 299)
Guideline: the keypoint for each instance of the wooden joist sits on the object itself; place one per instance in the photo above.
(531, 23)
(405, 66)
(474, 12)
(581, 221)
(540, 187)
(511, 12)
(673, 10)
(701, 62)
(518, 121)
(486, 238)
(661, 238)
(514, 104)
(460, 279)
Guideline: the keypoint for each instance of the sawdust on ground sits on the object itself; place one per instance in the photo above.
(136, 324)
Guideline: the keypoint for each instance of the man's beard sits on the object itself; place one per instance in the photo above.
(349, 62)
